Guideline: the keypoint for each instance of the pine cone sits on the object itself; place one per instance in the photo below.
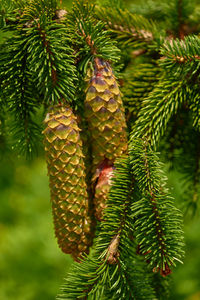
(101, 191)
(66, 171)
(104, 112)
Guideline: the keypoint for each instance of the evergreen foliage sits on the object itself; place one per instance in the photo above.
(159, 107)
(159, 239)
(54, 71)
(89, 37)
(182, 56)
(130, 30)
(44, 62)
(17, 94)
(138, 82)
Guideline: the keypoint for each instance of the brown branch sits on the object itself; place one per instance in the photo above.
(139, 34)
(183, 59)
(47, 46)
(88, 40)
(120, 27)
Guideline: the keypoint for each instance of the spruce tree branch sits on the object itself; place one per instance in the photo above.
(35, 8)
(122, 21)
(154, 223)
(50, 43)
(177, 12)
(190, 173)
(131, 32)
(89, 37)
(194, 106)
(88, 40)
(182, 56)
(151, 189)
(46, 45)
(16, 86)
(162, 103)
(138, 82)
(182, 59)
(10, 12)
(150, 9)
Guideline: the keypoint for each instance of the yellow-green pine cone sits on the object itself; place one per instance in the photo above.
(66, 171)
(104, 113)
(105, 116)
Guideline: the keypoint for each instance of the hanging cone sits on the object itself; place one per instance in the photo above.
(101, 191)
(66, 172)
(104, 113)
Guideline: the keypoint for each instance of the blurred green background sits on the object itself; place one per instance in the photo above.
(31, 264)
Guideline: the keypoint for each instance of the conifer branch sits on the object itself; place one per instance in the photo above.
(161, 286)
(194, 106)
(188, 164)
(5, 7)
(88, 37)
(55, 73)
(35, 8)
(10, 12)
(178, 12)
(122, 20)
(150, 9)
(137, 83)
(129, 29)
(182, 57)
(162, 103)
(180, 146)
(16, 84)
(158, 225)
